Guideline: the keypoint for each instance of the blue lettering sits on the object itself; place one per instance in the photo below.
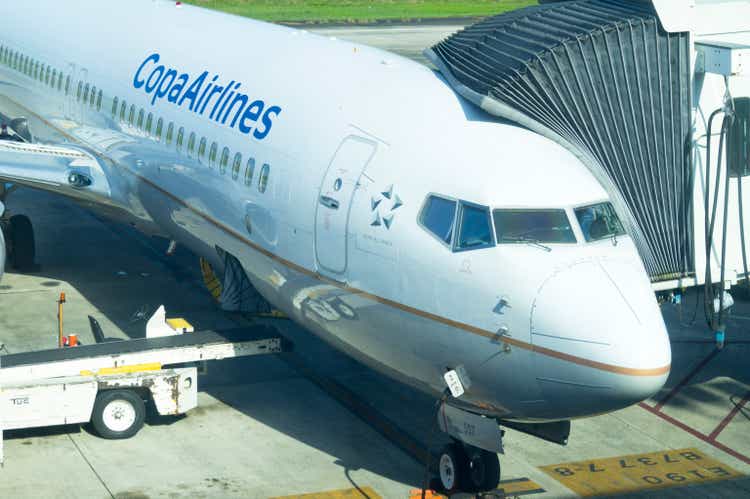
(152, 82)
(152, 57)
(267, 122)
(252, 113)
(254, 116)
(164, 86)
(194, 90)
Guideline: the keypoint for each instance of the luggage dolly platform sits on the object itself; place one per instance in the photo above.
(108, 383)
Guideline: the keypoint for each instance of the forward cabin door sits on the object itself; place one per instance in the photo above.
(334, 203)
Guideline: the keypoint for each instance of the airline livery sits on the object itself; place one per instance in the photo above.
(356, 191)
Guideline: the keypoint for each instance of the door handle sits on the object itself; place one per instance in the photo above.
(329, 202)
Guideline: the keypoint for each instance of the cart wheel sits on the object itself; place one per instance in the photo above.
(22, 246)
(118, 414)
(451, 468)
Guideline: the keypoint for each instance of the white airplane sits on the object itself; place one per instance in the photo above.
(359, 193)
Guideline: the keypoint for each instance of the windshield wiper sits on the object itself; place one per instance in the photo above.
(527, 240)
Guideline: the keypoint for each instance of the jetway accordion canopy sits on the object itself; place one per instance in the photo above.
(603, 78)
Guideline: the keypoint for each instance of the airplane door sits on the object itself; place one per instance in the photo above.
(334, 202)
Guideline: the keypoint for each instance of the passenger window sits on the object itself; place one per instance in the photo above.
(438, 217)
(236, 165)
(99, 101)
(54, 77)
(159, 128)
(191, 144)
(202, 150)
(149, 122)
(474, 230)
(170, 133)
(48, 75)
(67, 85)
(92, 102)
(265, 172)
(80, 91)
(249, 171)
(224, 160)
(532, 226)
(180, 138)
(86, 94)
(60, 82)
(141, 116)
(131, 115)
(36, 70)
(212, 155)
(123, 110)
(599, 221)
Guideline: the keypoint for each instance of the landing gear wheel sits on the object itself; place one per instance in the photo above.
(118, 414)
(450, 467)
(483, 470)
(21, 245)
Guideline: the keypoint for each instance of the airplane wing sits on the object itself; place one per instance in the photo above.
(64, 169)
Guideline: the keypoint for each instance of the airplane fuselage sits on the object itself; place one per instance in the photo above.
(312, 161)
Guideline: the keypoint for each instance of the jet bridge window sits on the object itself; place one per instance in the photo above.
(474, 228)
(438, 217)
(249, 171)
(535, 226)
(224, 160)
(599, 221)
(738, 139)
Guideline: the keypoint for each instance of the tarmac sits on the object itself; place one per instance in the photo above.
(314, 423)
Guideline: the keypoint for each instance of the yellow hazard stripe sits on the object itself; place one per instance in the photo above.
(135, 368)
(362, 492)
(212, 283)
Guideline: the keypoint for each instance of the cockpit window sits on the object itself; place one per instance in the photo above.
(438, 217)
(536, 226)
(475, 228)
(599, 221)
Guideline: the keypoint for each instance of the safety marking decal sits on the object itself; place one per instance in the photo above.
(520, 487)
(359, 493)
(618, 475)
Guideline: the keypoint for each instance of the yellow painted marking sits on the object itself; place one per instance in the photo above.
(362, 492)
(635, 472)
(180, 324)
(135, 368)
(521, 486)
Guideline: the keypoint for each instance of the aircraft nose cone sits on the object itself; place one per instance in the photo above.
(600, 337)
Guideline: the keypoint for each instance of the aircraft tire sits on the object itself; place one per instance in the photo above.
(118, 414)
(451, 468)
(21, 243)
(482, 470)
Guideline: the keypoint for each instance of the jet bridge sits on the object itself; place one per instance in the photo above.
(603, 79)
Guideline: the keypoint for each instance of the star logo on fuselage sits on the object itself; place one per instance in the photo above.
(383, 206)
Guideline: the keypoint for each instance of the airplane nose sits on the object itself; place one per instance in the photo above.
(601, 337)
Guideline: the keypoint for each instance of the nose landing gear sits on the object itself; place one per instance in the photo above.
(467, 468)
